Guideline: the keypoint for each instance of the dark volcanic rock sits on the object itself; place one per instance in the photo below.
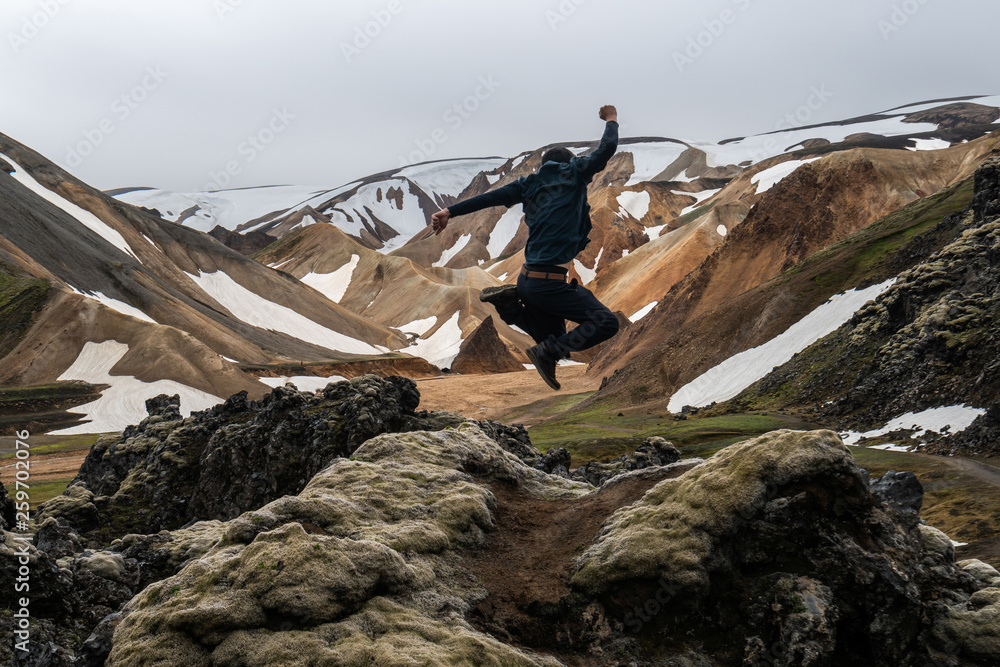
(654, 451)
(166, 471)
(6, 509)
(484, 352)
(902, 490)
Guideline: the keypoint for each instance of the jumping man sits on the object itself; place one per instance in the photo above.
(558, 218)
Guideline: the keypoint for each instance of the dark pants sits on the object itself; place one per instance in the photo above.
(547, 304)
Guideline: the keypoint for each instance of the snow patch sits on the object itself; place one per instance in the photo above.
(634, 204)
(441, 347)
(419, 327)
(642, 312)
(740, 371)
(450, 177)
(505, 230)
(957, 417)
(698, 196)
(649, 159)
(768, 178)
(655, 232)
(255, 310)
(227, 208)
(929, 145)
(82, 215)
(124, 402)
(116, 305)
(721, 230)
(448, 253)
(587, 275)
(334, 284)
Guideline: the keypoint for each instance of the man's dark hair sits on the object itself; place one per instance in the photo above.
(558, 154)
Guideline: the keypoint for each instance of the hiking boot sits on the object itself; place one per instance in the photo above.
(500, 297)
(544, 364)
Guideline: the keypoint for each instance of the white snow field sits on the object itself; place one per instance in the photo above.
(419, 327)
(303, 382)
(650, 158)
(956, 417)
(505, 230)
(721, 230)
(85, 217)
(226, 208)
(116, 305)
(334, 284)
(441, 347)
(124, 402)
(700, 198)
(373, 200)
(930, 144)
(768, 178)
(760, 147)
(633, 204)
(449, 177)
(256, 310)
(740, 371)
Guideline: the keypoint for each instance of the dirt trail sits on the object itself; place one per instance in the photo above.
(529, 557)
(46, 467)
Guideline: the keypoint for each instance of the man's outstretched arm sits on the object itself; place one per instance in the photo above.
(508, 195)
(598, 160)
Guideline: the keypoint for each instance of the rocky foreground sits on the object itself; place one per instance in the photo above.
(346, 528)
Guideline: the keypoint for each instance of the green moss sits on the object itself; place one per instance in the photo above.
(21, 297)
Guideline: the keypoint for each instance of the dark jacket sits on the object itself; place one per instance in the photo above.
(555, 203)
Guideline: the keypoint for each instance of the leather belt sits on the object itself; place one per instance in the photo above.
(543, 275)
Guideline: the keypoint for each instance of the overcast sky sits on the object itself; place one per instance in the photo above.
(193, 93)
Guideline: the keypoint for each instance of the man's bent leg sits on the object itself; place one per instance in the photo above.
(595, 321)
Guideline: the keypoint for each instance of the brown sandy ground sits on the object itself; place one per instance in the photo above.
(500, 395)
